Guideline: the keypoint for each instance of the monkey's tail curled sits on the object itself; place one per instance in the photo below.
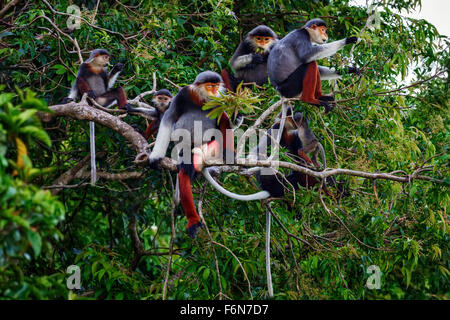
(249, 197)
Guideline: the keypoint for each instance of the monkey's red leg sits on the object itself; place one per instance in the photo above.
(318, 93)
(151, 128)
(82, 86)
(187, 202)
(310, 84)
(304, 156)
(227, 138)
(308, 181)
(114, 94)
(121, 98)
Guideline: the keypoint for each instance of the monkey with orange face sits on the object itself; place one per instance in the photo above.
(185, 114)
(250, 58)
(94, 79)
(292, 63)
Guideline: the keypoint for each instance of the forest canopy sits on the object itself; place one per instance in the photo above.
(386, 144)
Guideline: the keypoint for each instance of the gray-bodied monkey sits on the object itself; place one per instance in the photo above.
(292, 63)
(272, 183)
(250, 58)
(309, 141)
(184, 111)
(94, 79)
(161, 102)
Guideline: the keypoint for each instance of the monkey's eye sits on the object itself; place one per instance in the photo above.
(258, 38)
(267, 39)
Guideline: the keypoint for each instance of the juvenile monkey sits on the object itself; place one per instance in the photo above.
(161, 102)
(309, 141)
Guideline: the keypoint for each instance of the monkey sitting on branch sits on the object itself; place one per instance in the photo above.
(292, 63)
(272, 183)
(249, 61)
(161, 102)
(94, 79)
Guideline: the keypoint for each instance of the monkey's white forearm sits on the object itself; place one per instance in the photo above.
(328, 73)
(242, 61)
(73, 93)
(112, 79)
(150, 112)
(326, 50)
(162, 139)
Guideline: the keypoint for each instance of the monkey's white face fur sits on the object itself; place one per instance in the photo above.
(101, 60)
(262, 43)
(318, 34)
(207, 90)
(162, 102)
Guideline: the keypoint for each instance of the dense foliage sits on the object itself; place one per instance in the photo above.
(325, 246)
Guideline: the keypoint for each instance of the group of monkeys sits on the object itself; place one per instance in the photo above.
(291, 65)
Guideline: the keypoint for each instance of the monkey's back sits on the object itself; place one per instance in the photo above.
(283, 58)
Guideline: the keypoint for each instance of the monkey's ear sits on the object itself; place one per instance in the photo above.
(314, 27)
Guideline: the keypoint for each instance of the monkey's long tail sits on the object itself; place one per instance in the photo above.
(248, 197)
(92, 144)
(229, 80)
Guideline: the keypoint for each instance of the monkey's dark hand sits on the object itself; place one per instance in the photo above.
(351, 40)
(128, 107)
(118, 67)
(154, 163)
(66, 100)
(257, 58)
(354, 70)
(91, 94)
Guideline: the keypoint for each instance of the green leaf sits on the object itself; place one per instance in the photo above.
(36, 242)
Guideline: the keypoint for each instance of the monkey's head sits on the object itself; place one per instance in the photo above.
(162, 99)
(317, 29)
(207, 84)
(261, 38)
(99, 58)
(301, 120)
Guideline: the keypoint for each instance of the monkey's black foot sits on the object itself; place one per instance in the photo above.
(91, 94)
(326, 98)
(194, 229)
(127, 107)
(354, 70)
(154, 163)
(66, 100)
(327, 106)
